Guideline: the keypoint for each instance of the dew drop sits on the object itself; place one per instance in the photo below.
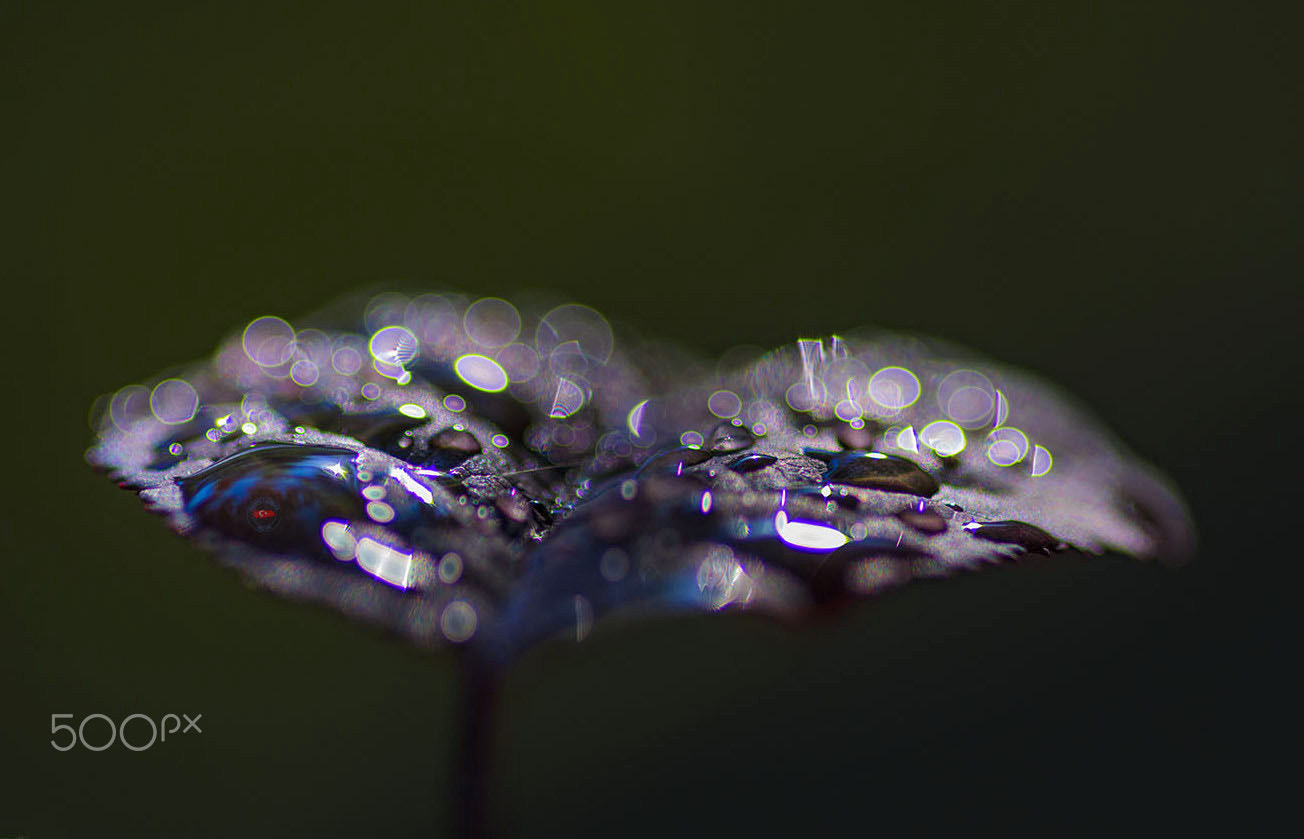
(882, 472)
(450, 447)
(481, 373)
(674, 460)
(174, 401)
(856, 438)
(752, 463)
(894, 388)
(1041, 461)
(268, 341)
(727, 438)
(380, 430)
(458, 621)
(929, 523)
(492, 322)
(944, 437)
(1029, 537)
(724, 404)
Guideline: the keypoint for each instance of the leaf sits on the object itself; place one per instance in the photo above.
(479, 474)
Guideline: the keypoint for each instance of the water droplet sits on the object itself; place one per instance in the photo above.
(724, 404)
(129, 405)
(174, 401)
(268, 341)
(520, 362)
(379, 430)
(1007, 446)
(384, 562)
(568, 399)
(346, 361)
(1027, 536)
(580, 324)
(614, 565)
(1041, 461)
(304, 373)
(930, 523)
(514, 507)
(1001, 413)
(880, 471)
(258, 494)
(583, 617)
(857, 438)
(394, 346)
(450, 447)
(894, 388)
(541, 512)
(906, 439)
(727, 438)
(967, 397)
(380, 512)
(481, 373)
(675, 460)
(944, 437)
(458, 621)
(752, 463)
(492, 322)
(808, 535)
(450, 568)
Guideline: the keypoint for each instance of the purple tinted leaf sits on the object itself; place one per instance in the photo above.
(472, 473)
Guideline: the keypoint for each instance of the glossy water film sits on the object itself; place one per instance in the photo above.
(485, 474)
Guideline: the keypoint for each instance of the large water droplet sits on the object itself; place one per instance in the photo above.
(275, 495)
(880, 471)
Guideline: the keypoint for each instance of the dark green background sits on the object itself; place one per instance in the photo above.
(1107, 193)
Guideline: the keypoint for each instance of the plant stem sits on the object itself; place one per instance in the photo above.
(479, 692)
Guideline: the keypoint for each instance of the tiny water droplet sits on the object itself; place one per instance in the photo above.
(381, 430)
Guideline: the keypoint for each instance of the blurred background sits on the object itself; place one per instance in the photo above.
(1107, 193)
